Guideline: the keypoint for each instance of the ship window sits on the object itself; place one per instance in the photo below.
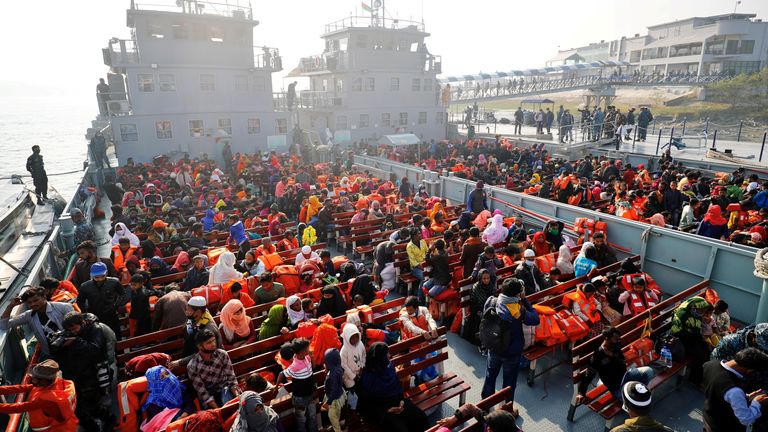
(732, 47)
(254, 126)
(416, 85)
(343, 42)
(167, 82)
(394, 84)
(225, 125)
(146, 82)
(746, 47)
(385, 120)
(258, 83)
(364, 120)
(200, 31)
(281, 126)
(403, 119)
(427, 84)
(341, 122)
(155, 31)
(423, 117)
(241, 83)
(339, 85)
(163, 129)
(370, 84)
(357, 84)
(362, 41)
(180, 31)
(207, 82)
(128, 132)
(414, 46)
(196, 128)
(217, 34)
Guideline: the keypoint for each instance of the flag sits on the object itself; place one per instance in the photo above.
(366, 8)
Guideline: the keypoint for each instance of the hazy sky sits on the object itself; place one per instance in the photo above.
(57, 43)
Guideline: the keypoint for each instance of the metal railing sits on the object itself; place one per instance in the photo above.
(373, 21)
(121, 52)
(267, 58)
(319, 99)
(113, 103)
(232, 9)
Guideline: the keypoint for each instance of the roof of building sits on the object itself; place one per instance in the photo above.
(730, 16)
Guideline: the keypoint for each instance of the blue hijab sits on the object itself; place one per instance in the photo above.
(208, 221)
(165, 391)
(378, 377)
(162, 270)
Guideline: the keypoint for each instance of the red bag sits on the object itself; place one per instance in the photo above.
(306, 330)
(139, 365)
(214, 254)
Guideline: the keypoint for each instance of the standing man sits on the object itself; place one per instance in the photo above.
(518, 121)
(102, 296)
(643, 120)
(560, 112)
(505, 350)
(43, 317)
(99, 150)
(630, 124)
(637, 403)
(727, 407)
(291, 95)
(539, 119)
(549, 118)
(478, 199)
(36, 167)
(102, 90)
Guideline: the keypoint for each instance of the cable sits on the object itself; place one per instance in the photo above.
(49, 175)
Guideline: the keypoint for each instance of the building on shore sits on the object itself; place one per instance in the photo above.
(731, 43)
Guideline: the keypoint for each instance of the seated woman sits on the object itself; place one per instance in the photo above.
(295, 311)
(275, 324)
(439, 225)
(585, 262)
(236, 326)
(254, 415)
(381, 399)
(564, 263)
(164, 390)
(158, 267)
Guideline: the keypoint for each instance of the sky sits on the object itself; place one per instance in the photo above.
(57, 44)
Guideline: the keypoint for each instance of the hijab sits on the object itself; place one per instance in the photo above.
(182, 259)
(313, 207)
(248, 419)
(164, 388)
(482, 219)
(232, 324)
(208, 220)
(495, 232)
(224, 269)
(564, 259)
(584, 247)
(293, 316)
(363, 286)
(714, 215)
(335, 306)
(163, 267)
(274, 322)
(122, 231)
(379, 378)
(658, 220)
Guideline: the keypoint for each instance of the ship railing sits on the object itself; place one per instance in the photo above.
(373, 21)
(121, 52)
(267, 58)
(329, 62)
(113, 104)
(232, 9)
(319, 99)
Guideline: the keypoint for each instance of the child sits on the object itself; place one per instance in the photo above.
(358, 300)
(487, 260)
(335, 396)
(708, 328)
(309, 308)
(722, 319)
(140, 321)
(327, 263)
(303, 386)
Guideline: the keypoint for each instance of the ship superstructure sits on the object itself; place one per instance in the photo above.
(375, 77)
(190, 79)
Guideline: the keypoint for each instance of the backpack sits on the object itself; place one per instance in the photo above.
(495, 333)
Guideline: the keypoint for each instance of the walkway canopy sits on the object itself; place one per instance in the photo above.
(399, 140)
(533, 72)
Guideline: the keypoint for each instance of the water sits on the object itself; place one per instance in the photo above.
(57, 124)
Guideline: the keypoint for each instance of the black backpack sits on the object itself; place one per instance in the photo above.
(495, 333)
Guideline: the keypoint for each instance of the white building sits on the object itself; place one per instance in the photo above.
(375, 77)
(730, 43)
(190, 80)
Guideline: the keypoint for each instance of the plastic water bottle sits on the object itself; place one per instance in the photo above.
(666, 356)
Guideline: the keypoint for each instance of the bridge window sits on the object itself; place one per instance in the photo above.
(364, 120)
(732, 47)
(241, 83)
(427, 84)
(225, 125)
(715, 45)
(254, 126)
(394, 84)
(207, 82)
(341, 122)
(281, 126)
(357, 84)
(217, 34)
(128, 132)
(634, 56)
(422, 118)
(163, 129)
(155, 31)
(146, 82)
(370, 84)
(180, 31)
(167, 82)
(196, 128)
(385, 120)
(403, 119)
(416, 84)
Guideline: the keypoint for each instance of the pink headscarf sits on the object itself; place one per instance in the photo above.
(182, 259)
(239, 325)
(481, 221)
(657, 219)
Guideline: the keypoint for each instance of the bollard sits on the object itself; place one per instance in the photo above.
(762, 147)
(682, 134)
(658, 143)
(738, 137)
(714, 139)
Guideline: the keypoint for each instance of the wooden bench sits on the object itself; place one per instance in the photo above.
(486, 405)
(599, 399)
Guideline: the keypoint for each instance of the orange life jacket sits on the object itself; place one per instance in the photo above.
(130, 396)
(626, 282)
(638, 304)
(271, 261)
(587, 306)
(120, 257)
(545, 263)
(62, 393)
(548, 331)
(419, 320)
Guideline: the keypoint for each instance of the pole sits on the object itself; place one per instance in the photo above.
(671, 137)
(685, 119)
(658, 143)
(706, 126)
(653, 129)
(634, 135)
(738, 137)
(762, 147)
(714, 139)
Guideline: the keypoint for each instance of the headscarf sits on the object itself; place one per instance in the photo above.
(379, 378)
(224, 269)
(248, 419)
(326, 336)
(208, 220)
(164, 388)
(735, 342)
(294, 316)
(480, 291)
(714, 215)
(128, 196)
(122, 231)
(584, 247)
(233, 325)
(363, 286)
(540, 248)
(658, 220)
(355, 353)
(482, 219)
(495, 232)
(162, 271)
(685, 320)
(564, 259)
(313, 207)
(334, 306)
(182, 259)
(274, 322)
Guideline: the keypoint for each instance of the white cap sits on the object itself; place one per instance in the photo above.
(529, 253)
(197, 301)
(306, 250)
(454, 222)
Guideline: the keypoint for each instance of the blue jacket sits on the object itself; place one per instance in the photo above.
(583, 265)
(208, 221)
(528, 316)
(761, 199)
(237, 232)
(473, 196)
